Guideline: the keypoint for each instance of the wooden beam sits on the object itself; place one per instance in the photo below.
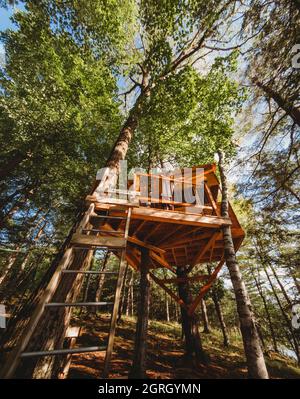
(171, 233)
(205, 288)
(111, 242)
(201, 277)
(211, 199)
(167, 216)
(140, 226)
(168, 291)
(206, 247)
(161, 261)
(186, 239)
(157, 227)
(136, 241)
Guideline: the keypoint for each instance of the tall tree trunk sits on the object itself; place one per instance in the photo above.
(101, 279)
(206, 328)
(284, 293)
(254, 355)
(263, 298)
(51, 335)
(216, 301)
(193, 343)
(123, 290)
(138, 369)
(8, 266)
(167, 308)
(292, 111)
(286, 318)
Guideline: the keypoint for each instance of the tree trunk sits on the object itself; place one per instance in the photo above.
(101, 280)
(292, 111)
(167, 308)
(254, 355)
(287, 320)
(284, 293)
(53, 333)
(11, 260)
(261, 294)
(221, 319)
(193, 343)
(138, 369)
(206, 328)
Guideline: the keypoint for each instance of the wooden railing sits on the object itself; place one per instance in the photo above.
(164, 192)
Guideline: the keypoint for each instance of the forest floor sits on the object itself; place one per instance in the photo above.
(165, 354)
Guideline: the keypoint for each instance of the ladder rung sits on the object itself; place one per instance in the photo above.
(88, 272)
(69, 304)
(65, 351)
(104, 231)
(108, 217)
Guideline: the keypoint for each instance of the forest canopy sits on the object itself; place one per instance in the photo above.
(85, 84)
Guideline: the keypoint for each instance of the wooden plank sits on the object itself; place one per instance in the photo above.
(205, 288)
(135, 240)
(201, 277)
(167, 290)
(161, 261)
(171, 233)
(141, 225)
(153, 231)
(186, 238)
(132, 260)
(212, 201)
(85, 219)
(111, 242)
(166, 216)
(206, 247)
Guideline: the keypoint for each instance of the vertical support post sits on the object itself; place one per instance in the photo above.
(115, 311)
(138, 369)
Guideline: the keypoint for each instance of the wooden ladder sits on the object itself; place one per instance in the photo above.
(81, 239)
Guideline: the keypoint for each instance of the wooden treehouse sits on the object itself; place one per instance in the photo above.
(177, 234)
(150, 215)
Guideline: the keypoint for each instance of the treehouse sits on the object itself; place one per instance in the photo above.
(176, 233)
(154, 221)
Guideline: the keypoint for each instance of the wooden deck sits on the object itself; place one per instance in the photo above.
(183, 235)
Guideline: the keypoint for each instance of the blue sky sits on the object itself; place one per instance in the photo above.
(5, 21)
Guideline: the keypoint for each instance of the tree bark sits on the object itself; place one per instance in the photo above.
(138, 369)
(61, 318)
(193, 343)
(206, 328)
(287, 320)
(261, 294)
(221, 319)
(292, 111)
(254, 355)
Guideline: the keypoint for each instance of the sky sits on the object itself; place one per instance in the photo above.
(6, 23)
